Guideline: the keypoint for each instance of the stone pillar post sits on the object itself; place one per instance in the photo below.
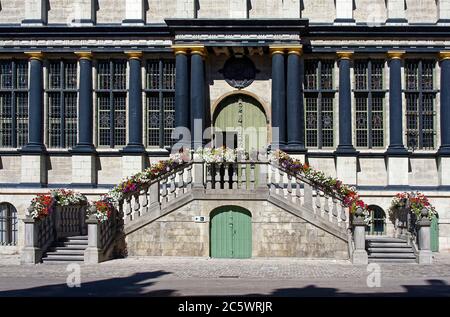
(92, 255)
(444, 150)
(346, 155)
(396, 153)
(31, 253)
(359, 255)
(198, 97)
(424, 238)
(34, 170)
(198, 173)
(182, 113)
(278, 98)
(84, 170)
(294, 100)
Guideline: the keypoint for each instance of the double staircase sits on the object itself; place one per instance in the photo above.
(69, 249)
(389, 250)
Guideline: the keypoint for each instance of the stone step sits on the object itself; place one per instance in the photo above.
(64, 252)
(410, 261)
(385, 240)
(63, 258)
(72, 248)
(388, 245)
(77, 238)
(392, 256)
(390, 250)
(70, 243)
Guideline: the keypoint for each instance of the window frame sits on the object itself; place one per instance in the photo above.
(8, 224)
(369, 93)
(14, 91)
(160, 92)
(320, 93)
(62, 91)
(420, 92)
(111, 92)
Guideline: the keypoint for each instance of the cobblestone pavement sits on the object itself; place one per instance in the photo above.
(203, 276)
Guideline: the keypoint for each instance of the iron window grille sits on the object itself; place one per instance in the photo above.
(369, 103)
(319, 103)
(62, 112)
(13, 103)
(111, 103)
(8, 224)
(420, 104)
(160, 102)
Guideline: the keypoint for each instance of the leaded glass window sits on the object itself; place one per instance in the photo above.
(13, 103)
(62, 104)
(319, 103)
(160, 102)
(369, 103)
(8, 224)
(420, 99)
(111, 103)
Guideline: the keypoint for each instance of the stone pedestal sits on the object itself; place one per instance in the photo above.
(198, 173)
(31, 253)
(398, 171)
(346, 169)
(424, 242)
(444, 171)
(359, 255)
(132, 164)
(84, 170)
(34, 169)
(92, 254)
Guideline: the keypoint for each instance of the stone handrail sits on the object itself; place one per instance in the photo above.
(63, 221)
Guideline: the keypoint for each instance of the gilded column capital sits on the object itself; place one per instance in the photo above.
(198, 49)
(395, 54)
(344, 54)
(297, 50)
(134, 54)
(84, 55)
(35, 55)
(444, 55)
(180, 49)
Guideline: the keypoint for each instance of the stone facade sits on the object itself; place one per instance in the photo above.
(275, 233)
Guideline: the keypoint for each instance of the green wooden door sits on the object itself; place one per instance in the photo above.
(242, 115)
(434, 234)
(231, 233)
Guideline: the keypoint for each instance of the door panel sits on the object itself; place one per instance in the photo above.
(231, 233)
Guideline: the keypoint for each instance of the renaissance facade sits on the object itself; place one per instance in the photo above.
(91, 92)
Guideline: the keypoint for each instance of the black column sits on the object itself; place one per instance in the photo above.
(198, 101)
(182, 113)
(135, 144)
(35, 106)
(345, 105)
(278, 99)
(396, 146)
(86, 106)
(444, 150)
(294, 100)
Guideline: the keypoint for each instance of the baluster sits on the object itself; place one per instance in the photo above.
(189, 177)
(180, 183)
(235, 176)
(318, 210)
(164, 197)
(128, 215)
(308, 199)
(144, 201)
(298, 194)
(172, 187)
(226, 176)
(289, 186)
(244, 183)
(209, 176)
(334, 211)
(136, 206)
(252, 175)
(326, 206)
(273, 186)
(344, 216)
(217, 180)
(281, 182)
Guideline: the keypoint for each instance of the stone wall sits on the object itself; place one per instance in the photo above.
(275, 233)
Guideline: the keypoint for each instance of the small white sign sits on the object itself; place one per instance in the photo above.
(201, 219)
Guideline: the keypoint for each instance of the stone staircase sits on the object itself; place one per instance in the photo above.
(389, 250)
(70, 249)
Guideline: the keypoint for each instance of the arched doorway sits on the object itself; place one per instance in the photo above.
(8, 224)
(231, 233)
(240, 122)
(378, 224)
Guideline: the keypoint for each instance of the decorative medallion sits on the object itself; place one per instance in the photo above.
(239, 72)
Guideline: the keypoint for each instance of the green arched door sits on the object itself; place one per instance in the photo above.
(243, 116)
(231, 233)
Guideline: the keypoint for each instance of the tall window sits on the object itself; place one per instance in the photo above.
(111, 103)
(319, 100)
(160, 102)
(62, 104)
(420, 96)
(8, 224)
(369, 100)
(13, 103)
